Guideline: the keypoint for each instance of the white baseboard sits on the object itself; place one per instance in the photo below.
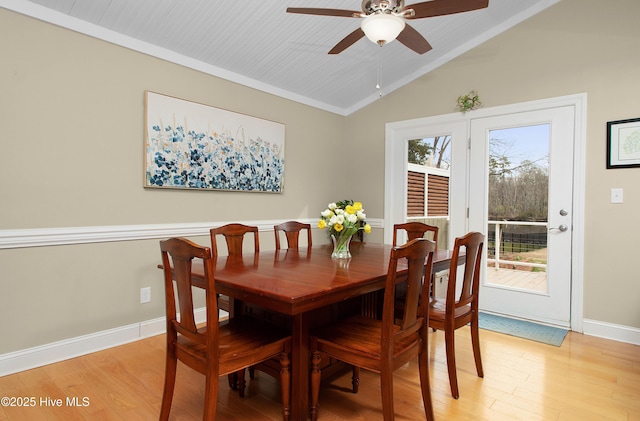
(39, 356)
(612, 331)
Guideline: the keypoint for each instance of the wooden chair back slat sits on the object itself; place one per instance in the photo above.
(234, 236)
(415, 230)
(292, 233)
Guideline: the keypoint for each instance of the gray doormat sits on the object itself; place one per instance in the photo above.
(522, 329)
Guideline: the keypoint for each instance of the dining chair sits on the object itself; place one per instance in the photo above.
(292, 230)
(415, 230)
(215, 349)
(460, 306)
(383, 345)
(234, 238)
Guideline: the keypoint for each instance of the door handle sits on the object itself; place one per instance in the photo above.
(561, 228)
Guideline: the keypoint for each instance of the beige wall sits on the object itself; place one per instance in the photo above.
(72, 155)
(573, 47)
(72, 128)
(72, 136)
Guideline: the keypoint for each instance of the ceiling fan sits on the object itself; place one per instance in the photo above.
(384, 20)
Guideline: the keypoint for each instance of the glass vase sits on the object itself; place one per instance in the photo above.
(341, 246)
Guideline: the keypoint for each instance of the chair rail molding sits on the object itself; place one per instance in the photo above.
(37, 237)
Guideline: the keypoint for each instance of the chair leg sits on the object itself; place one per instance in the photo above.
(210, 396)
(449, 336)
(242, 382)
(423, 364)
(285, 385)
(355, 378)
(169, 385)
(233, 380)
(316, 375)
(386, 388)
(475, 341)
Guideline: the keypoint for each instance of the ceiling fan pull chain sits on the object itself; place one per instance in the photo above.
(379, 71)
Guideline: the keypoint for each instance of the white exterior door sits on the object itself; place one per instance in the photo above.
(562, 301)
(550, 300)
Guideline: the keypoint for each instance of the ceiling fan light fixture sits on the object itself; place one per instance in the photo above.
(382, 28)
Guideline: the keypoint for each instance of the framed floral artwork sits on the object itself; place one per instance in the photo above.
(623, 143)
(195, 146)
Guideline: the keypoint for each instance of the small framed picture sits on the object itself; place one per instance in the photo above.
(623, 143)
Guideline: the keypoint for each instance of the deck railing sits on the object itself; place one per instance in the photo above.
(534, 241)
(498, 245)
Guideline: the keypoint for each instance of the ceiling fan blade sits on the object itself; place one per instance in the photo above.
(432, 8)
(324, 12)
(347, 41)
(412, 39)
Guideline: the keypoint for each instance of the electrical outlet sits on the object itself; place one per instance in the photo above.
(145, 295)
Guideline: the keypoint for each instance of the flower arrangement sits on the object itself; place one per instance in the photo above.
(343, 219)
(468, 102)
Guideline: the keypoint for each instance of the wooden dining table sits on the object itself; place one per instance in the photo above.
(297, 283)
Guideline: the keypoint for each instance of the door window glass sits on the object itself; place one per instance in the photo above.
(518, 207)
(428, 181)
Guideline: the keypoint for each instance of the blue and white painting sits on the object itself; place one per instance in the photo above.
(195, 146)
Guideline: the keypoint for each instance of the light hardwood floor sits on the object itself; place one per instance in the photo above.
(587, 378)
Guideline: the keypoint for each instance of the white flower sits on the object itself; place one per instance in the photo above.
(352, 218)
(332, 206)
(326, 213)
(340, 219)
(361, 215)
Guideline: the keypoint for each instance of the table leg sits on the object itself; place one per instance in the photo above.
(300, 368)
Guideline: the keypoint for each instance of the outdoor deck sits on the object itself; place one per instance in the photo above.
(536, 281)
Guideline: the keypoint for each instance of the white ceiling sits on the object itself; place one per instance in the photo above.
(258, 44)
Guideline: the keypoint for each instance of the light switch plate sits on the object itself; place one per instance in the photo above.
(145, 295)
(616, 196)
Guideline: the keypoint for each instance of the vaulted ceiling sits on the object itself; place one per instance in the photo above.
(258, 44)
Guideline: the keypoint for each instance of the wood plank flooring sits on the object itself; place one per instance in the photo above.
(587, 378)
(534, 281)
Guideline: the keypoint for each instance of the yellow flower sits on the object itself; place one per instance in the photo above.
(367, 228)
(350, 209)
(357, 206)
(338, 227)
(322, 224)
